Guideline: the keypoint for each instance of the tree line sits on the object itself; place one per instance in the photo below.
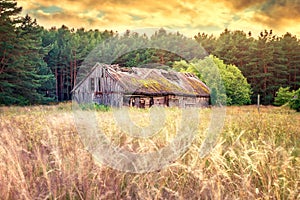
(268, 63)
(39, 65)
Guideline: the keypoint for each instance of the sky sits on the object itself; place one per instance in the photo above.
(189, 17)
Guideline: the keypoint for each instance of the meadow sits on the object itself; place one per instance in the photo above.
(256, 156)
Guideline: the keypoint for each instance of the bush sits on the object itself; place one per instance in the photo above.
(295, 101)
(101, 107)
(283, 96)
(291, 98)
(94, 106)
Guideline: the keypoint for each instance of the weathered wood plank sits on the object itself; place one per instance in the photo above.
(107, 90)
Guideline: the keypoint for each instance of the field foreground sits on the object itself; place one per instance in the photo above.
(257, 156)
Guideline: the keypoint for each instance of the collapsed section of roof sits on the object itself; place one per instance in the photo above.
(158, 81)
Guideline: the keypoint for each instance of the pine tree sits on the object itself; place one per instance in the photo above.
(33, 34)
(233, 48)
(291, 50)
(280, 65)
(23, 74)
(261, 66)
(208, 42)
(8, 40)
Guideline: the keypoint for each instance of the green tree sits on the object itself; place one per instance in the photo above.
(31, 34)
(8, 40)
(221, 78)
(280, 62)
(233, 48)
(208, 42)
(261, 67)
(287, 97)
(69, 49)
(23, 73)
(291, 49)
(295, 101)
(268, 63)
(283, 96)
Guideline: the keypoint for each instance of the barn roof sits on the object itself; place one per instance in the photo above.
(156, 81)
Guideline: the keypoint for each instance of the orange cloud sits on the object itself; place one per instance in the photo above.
(280, 13)
(238, 5)
(187, 16)
(272, 13)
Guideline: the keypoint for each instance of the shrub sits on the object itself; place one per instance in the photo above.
(101, 107)
(94, 106)
(283, 96)
(295, 101)
(291, 98)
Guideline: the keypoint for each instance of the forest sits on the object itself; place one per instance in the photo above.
(39, 65)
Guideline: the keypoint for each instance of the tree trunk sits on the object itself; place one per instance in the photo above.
(71, 73)
(56, 83)
(265, 77)
(61, 86)
(75, 65)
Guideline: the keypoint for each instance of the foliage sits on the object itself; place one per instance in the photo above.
(295, 101)
(24, 76)
(94, 106)
(101, 107)
(209, 74)
(221, 79)
(291, 98)
(268, 63)
(69, 48)
(283, 96)
(237, 89)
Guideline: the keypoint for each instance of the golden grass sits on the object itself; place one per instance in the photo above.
(255, 157)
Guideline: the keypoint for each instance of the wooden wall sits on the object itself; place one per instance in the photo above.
(101, 88)
(169, 100)
(184, 102)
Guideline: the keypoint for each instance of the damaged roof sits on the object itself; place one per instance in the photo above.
(158, 81)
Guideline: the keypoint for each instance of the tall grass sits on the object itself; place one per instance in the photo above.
(255, 157)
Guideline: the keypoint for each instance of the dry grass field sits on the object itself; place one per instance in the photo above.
(257, 156)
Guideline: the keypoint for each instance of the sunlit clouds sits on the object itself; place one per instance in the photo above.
(187, 17)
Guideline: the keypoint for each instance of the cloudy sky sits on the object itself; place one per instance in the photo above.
(186, 16)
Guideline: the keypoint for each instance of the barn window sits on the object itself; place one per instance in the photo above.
(92, 82)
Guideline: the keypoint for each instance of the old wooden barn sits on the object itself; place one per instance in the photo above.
(140, 87)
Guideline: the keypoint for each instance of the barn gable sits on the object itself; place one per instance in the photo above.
(140, 87)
